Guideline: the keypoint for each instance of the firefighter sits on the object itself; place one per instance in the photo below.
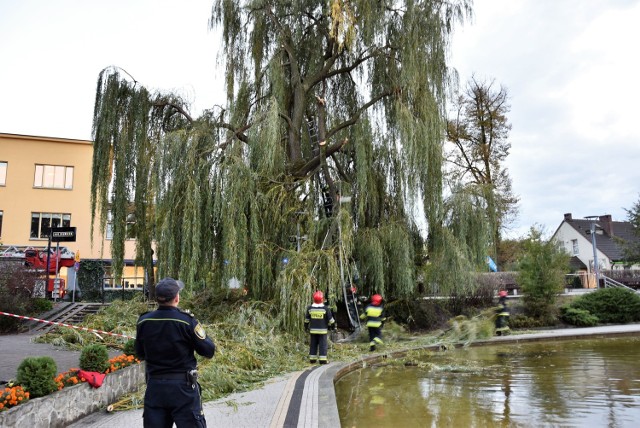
(318, 320)
(374, 314)
(167, 339)
(502, 315)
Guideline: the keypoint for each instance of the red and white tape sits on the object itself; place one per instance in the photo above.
(92, 330)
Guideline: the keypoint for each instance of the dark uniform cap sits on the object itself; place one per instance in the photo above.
(167, 289)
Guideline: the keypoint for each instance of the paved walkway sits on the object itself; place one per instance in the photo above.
(17, 347)
(301, 399)
(293, 400)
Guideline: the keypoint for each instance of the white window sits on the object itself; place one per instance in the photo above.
(3, 173)
(574, 245)
(41, 223)
(53, 177)
(131, 221)
(1, 215)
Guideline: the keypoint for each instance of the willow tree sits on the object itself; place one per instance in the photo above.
(332, 131)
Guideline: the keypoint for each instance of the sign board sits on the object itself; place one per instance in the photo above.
(63, 234)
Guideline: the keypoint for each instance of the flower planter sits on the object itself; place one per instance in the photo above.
(73, 402)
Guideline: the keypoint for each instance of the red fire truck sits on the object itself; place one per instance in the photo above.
(36, 258)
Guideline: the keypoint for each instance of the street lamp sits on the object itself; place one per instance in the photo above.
(596, 268)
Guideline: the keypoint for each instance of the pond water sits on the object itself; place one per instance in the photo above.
(580, 383)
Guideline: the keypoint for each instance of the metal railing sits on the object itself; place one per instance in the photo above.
(610, 282)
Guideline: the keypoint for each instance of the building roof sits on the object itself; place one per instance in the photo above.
(577, 264)
(608, 234)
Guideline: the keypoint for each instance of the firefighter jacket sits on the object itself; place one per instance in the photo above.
(374, 315)
(318, 319)
(167, 338)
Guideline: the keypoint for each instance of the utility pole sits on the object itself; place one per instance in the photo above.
(596, 268)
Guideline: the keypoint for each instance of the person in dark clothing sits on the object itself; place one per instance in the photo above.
(502, 315)
(166, 340)
(374, 314)
(318, 320)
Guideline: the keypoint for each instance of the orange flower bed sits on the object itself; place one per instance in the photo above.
(68, 378)
(12, 396)
(120, 362)
(15, 395)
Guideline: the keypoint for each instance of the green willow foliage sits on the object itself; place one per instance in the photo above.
(324, 99)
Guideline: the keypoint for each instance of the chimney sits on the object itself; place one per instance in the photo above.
(567, 217)
(606, 223)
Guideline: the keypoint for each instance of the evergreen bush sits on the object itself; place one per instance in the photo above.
(37, 376)
(611, 305)
(130, 347)
(40, 305)
(94, 358)
(578, 317)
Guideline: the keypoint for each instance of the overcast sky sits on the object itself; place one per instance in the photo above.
(570, 67)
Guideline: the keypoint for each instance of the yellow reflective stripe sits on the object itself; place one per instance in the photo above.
(163, 319)
(318, 331)
(374, 312)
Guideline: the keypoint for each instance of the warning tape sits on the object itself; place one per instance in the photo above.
(92, 330)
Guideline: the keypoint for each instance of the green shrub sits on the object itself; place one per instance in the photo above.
(578, 317)
(37, 375)
(40, 305)
(523, 321)
(611, 305)
(418, 314)
(130, 347)
(541, 275)
(94, 358)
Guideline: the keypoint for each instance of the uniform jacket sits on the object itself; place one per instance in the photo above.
(318, 318)
(374, 315)
(167, 338)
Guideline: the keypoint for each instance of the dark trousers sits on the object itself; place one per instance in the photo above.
(173, 400)
(375, 337)
(318, 348)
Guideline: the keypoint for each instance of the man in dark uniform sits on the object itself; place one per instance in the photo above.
(166, 339)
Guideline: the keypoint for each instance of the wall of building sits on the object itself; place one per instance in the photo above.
(19, 197)
(565, 236)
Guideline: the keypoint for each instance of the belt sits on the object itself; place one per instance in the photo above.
(169, 376)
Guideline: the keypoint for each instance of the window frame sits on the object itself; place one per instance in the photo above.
(59, 177)
(108, 233)
(63, 220)
(575, 249)
(4, 168)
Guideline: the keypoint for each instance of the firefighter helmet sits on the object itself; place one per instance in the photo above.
(376, 299)
(318, 297)
(502, 293)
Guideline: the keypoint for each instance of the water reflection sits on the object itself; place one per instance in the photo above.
(580, 383)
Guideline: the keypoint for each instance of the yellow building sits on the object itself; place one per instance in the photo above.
(46, 182)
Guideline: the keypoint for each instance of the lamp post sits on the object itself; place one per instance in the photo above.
(595, 248)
